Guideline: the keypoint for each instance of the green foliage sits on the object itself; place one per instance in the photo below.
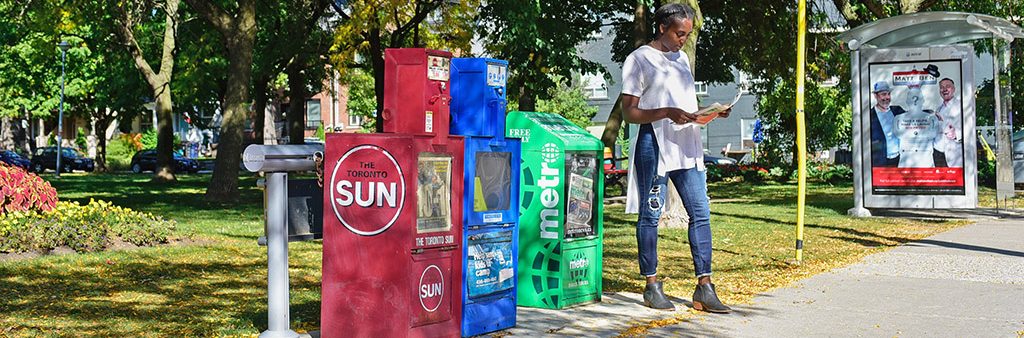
(21, 190)
(830, 173)
(567, 99)
(986, 172)
(362, 101)
(826, 109)
(80, 139)
(120, 151)
(320, 132)
(148, 140)
(92, 227)
(539, 39)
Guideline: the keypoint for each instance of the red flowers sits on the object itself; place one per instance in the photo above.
(23, 191)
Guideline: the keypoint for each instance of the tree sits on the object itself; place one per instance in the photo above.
(131, 13)
(238, 31)
(539, 39)
(567, 99)
(293, 43)
(361, 99)
(374, 25)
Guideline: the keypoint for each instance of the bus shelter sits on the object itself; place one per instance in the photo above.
(914, 138)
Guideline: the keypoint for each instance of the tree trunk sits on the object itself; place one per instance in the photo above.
(224, 183)
(377, 62)
(297, 96)
(6, 133)
(615, 119)
(164, 171)
(259, 104)
(527, 99)
(101, 123)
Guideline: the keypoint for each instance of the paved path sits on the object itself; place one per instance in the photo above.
(967, 282)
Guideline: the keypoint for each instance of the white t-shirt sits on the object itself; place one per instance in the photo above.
(950, 137)
(663, 79)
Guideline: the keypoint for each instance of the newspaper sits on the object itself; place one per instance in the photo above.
(709, 113)
(433, 194)
(580, 207)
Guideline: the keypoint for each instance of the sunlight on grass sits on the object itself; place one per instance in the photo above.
(754, 235)
(216, 285)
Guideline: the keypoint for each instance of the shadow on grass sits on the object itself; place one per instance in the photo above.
(222, 288)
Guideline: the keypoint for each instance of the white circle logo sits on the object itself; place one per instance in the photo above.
(431, 291)
(549, 152)
(367, 190)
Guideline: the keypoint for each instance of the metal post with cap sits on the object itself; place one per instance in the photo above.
(276, 161)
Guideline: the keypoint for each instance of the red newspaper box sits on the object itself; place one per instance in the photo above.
(393, 219)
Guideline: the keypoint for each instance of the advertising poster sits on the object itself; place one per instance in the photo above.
(489, 265)
(916, 131)
(434, 207)
(580, 202)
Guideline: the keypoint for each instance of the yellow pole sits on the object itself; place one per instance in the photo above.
(801, 132)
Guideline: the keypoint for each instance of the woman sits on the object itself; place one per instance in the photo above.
(658, 93)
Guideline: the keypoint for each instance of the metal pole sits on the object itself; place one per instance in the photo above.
(858, 209)
(1004, 149)
(278, 313)
(60, 115)
(801, 132)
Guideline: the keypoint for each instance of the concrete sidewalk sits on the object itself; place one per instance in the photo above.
(967, 282)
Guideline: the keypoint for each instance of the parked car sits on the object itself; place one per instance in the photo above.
(719, 161)
(146, 161)
(71, 159)
(14, 159)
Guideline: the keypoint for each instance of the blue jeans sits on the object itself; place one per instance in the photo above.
(692, 186)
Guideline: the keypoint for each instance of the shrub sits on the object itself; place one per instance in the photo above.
(21, 190)
(830, 173)
(986, 172)
(92, 227)
(753, 173)
(149, 140)
(121, 150)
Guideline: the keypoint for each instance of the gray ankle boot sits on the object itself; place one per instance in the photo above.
(655, 298)
(705, 299)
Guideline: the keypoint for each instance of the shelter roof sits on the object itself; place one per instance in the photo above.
(926, 29)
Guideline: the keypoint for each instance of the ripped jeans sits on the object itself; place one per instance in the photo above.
(692, 186)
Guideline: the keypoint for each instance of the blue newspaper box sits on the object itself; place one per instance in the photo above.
(491, 196)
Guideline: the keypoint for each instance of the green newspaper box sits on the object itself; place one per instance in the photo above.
(561, 211)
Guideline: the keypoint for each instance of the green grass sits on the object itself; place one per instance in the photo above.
(215, 284)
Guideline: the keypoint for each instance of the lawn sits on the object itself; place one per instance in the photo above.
(213, 283)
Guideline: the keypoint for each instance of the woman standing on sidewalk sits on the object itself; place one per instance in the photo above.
(658, 93)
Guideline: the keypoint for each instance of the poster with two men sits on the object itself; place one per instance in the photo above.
(917, 127)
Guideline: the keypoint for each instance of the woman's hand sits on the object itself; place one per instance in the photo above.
(678, 116)
(725, 113)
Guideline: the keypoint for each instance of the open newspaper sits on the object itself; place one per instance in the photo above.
(709, 113)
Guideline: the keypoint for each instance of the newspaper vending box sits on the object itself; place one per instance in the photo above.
(393, 212)
(560, 229)
(490, 198)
